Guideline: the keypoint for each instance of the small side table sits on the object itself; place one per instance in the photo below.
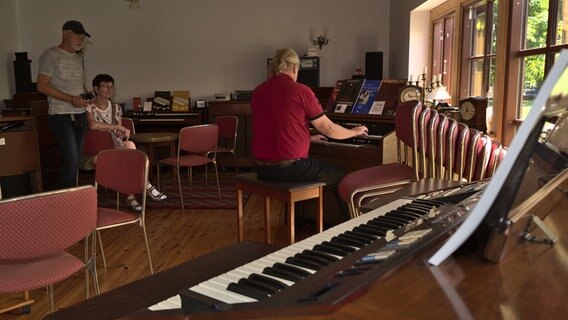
(154, 140)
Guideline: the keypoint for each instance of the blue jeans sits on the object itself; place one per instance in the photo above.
(335, 210)
(70, 134)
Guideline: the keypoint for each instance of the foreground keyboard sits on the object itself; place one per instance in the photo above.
(313, 268)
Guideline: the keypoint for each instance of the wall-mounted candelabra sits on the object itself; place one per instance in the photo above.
(320, 40)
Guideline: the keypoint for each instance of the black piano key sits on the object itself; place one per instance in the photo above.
(329, 249)
(416, 212)
(361, 235)
(277, 285)
(401, 215)
(385, 222)
(422, 210)
(321, 255)
(282, 274)
(340, 246)
(288, 268)
(303, 263)
(371, 230)
(435, 203)
(343, 239)
(312, 258)
(247, 291)
(258, 285)
(392, 219)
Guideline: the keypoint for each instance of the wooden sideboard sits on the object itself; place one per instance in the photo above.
(19, 149)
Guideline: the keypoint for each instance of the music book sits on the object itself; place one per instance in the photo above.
(347, 95)
(333, 96)
(366, 97)
(161, 102)
(389, 93)
(180, 101)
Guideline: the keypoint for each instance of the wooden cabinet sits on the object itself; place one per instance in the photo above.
(242, 110)
(19, 149)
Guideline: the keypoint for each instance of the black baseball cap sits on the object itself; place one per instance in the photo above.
(76, 27)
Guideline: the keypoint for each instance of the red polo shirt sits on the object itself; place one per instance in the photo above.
(281, 111)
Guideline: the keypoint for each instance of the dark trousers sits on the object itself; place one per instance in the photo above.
(335, 210)
(70, 134)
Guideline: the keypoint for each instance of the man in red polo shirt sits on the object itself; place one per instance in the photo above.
(282, 111)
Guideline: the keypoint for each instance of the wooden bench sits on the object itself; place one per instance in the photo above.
(289, 192)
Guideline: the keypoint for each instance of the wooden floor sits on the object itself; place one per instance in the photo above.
(175, 236)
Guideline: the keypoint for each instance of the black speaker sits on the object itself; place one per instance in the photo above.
(22, 73)
(374, 65)
(309, 73)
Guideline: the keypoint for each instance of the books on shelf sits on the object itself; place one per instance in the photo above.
(366, 97)
(347, 95)
(331, 101)
(161, 102)
(180, 101)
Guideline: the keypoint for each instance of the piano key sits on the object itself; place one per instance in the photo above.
(387, 218)
(402, 215)
(342, 239)
(209, 289)
(321, 255)
(168, 304)
(329, 249)
(247, 291)
(314, 259)
(369, 229)
(278, 285)
(259, 285)
(382, 222)
(298, 261)
(290, 268)
(282, 274)
(361, 235)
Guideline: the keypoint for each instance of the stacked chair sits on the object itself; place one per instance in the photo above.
(388, 178)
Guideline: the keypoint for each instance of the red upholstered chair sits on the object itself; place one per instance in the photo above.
(35, 230)
(387, 178)
(96, 141)
(481, 152)
(228, 129)
(123, 171)
(429, 123)
(475, 145)
(128, 124)
(448, 142)
(494, 158)
(461, 151)
(194, 150)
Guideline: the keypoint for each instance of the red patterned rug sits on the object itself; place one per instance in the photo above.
(199, 197)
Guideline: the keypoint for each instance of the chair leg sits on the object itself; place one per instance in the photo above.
(51, 300)
(217, 177)
(102, 249)
(143, 225)
(235, 158)
(91, 265)
(158, 175)
(180, 192)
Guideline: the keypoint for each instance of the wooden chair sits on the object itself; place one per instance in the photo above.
(228, 129)
(35, 230)
(461, 152)
(288, 192)
(387, 178)
(123, 171)
(194, 150)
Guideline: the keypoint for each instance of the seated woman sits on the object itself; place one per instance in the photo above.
(102, 114)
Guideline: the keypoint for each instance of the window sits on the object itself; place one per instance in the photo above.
(544, 27)
(479, 44)
(442, 43)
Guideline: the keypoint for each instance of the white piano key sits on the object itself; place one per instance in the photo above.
(168, 304)
(220, 293)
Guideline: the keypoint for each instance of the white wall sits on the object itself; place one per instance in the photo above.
(202, 46)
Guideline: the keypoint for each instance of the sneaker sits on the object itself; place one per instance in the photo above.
(133, 204)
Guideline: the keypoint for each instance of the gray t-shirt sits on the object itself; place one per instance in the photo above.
(66, 72)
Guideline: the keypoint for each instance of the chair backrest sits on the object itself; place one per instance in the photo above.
(228, 129)
(200, 139)
(407, 119)
(483, 154)
(461, 150)
(128, 124)
(123, 170)
(474, 145)
(96, 141)
(448, 146)
(493, 158)
(429, 123)
(43, 223)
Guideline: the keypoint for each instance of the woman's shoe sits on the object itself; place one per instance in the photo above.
(155, 194)
(133, 204)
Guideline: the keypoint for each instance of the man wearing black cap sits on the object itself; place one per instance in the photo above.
(61, 76)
